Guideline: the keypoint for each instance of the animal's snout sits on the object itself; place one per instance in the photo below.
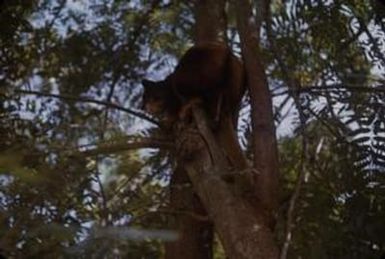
(147, 107)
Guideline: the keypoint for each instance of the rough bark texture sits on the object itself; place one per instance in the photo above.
(242, 227)
(196, 237)
(264, 138)
(190, 221)
(210, 20)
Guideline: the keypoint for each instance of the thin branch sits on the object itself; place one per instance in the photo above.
(264, 139)
(89, 100)
(374, 42)
(335, 133)
(196, 216)
(296, 194)
(281, 106)
(121, 147)
(339, 134)
(105, 209)
(330, 88)
(109, 96)
(353, 39)
(301, 177)
(293, 91)
(120, 188)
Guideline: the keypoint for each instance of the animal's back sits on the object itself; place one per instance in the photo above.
(212, 74)
(210, 70)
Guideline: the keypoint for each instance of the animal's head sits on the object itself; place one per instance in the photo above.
(154, 97)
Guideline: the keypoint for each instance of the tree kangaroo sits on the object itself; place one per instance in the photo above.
(209, 74)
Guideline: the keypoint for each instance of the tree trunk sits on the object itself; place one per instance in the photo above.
(241, 226)
(190, 220)
(195, 236)
(264, 138)
(210, 20)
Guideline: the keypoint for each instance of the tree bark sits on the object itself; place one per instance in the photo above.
(210, 20)
(241, 225)
(195, 237)
(190, 221)
(264, 138)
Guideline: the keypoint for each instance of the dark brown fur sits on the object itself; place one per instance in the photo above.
(210, 74)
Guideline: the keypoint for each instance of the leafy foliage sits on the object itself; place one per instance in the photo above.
(324, 60)
(339, 211)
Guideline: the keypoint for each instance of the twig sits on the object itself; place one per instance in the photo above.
(193, 215)
(281, 106)
(105, 209)
(109, 96)
(121, 147)
(294, 88)
(295, 196)
(331, 88)
(89, 100)
(377, 48)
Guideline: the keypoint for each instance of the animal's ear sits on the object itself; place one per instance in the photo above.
(148, 83)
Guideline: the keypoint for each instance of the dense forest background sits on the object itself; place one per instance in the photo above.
(83, 171)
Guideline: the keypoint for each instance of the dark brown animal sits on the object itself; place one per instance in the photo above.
(207, 72)
(211, 75)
